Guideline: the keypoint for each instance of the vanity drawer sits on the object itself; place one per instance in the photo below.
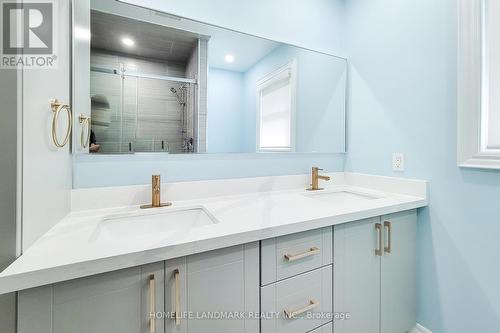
(328, 328)
(290, 255)
(307, 298)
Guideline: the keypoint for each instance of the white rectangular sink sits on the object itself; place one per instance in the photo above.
(155, 220)
(342, 196)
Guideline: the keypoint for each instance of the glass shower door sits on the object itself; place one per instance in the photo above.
(114, 111)
(163, 121)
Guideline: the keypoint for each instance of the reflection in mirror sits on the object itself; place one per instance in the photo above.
(148, 83)
(163, 84)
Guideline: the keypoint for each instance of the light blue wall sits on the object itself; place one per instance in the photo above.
(259, 17)
(320, 98)
(118, 170)
(225, 111)
(403, 82)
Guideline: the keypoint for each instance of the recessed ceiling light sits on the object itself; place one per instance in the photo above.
(128, 41)
(229, 58)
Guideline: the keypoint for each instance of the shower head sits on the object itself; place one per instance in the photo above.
(180, 97)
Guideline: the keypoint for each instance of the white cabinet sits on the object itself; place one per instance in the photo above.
(374, 274)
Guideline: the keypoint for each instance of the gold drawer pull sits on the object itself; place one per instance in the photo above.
(291, 314)
(56, 109)
(85, 130)
(312, 251)
(378, 250)
(152, 304)
(388, 248)
(177, 298)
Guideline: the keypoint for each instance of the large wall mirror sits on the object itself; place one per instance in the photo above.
(155, 83)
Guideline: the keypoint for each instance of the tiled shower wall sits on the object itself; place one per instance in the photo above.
(202, 95)
(149, 103)
(192, 73)
(198, 107)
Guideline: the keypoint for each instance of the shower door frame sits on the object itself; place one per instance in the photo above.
(137, 75)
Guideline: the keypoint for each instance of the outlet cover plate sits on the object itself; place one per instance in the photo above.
(398, 162)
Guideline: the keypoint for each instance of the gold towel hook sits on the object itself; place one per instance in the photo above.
(86, 124)
(56, 109)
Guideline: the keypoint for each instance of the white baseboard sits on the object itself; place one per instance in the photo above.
(420, 329)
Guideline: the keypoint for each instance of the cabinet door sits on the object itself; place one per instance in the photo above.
(218, 283)
(398, 291)
(356, 268)
(116, 302)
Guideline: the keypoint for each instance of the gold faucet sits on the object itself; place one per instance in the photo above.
(315, 177)
(156, 192)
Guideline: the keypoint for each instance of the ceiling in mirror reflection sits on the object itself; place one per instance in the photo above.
(159, 42)
(149, 40)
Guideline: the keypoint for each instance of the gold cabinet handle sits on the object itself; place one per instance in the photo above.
(152, 304)
(177, 298)
(56, 109)
(292, 314)
(312, 251)
(378, 249)
(388, 247)
(85, 130)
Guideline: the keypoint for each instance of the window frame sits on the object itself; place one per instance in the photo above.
(471, 152)
(265, 82)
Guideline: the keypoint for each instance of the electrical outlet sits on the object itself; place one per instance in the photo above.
(398, 162)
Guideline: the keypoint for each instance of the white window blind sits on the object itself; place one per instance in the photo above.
(276, 112)
(490, 132)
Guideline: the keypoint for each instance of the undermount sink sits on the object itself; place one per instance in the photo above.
(162, 220)
(342, 196)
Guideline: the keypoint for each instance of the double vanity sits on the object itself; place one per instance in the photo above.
(238, 255)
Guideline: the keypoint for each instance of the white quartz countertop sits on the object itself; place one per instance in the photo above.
(78, 246)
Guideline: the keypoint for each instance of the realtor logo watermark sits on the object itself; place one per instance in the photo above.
(28, 37)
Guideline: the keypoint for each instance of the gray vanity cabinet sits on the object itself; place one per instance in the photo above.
(399, 274)
(116, 302)
(374, 274)
(210, 290)
(189, 295)
(296, 282)
(356, 280)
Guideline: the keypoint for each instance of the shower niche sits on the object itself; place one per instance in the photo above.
(152, 82)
